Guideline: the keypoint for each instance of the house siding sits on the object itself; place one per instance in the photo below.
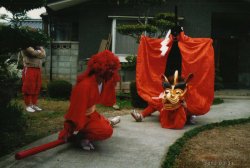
(64, 61)
(94, 25)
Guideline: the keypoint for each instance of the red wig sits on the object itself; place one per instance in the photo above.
(104, 64)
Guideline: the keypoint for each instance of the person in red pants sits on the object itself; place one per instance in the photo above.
(31, 76)
(95, 85)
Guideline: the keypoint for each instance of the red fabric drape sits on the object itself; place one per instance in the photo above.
(197, 58)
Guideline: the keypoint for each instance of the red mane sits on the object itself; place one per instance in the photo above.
(101, 63)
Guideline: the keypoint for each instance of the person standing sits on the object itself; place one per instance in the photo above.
(31, 76)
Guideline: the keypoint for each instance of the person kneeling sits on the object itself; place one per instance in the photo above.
(94, 86)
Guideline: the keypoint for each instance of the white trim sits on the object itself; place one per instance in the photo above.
(32, 20)
(72, 42)
(129, 17)
(136, 17)
(64, 4)
(121, 56)
(113, 35)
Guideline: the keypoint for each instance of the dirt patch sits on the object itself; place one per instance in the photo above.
(217, 148)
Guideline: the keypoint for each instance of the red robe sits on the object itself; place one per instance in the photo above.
(84, 95)
(197, 58)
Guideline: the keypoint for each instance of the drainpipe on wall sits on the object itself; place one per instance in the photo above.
(49, 19)
(50, 71)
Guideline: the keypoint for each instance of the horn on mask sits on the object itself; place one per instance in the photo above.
(175, 77)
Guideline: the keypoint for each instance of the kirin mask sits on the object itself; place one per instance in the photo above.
(174, 91)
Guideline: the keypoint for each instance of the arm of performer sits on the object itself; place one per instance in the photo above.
(67, 131)
(39, 53)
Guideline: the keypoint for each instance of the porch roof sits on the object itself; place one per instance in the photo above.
(58, 5)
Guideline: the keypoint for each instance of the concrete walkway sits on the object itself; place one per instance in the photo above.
(133, 145)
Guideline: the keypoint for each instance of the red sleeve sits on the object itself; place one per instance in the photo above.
(78, 105)
(109, 96)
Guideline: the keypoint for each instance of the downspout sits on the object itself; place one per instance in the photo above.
(51, 61)
(50, 71)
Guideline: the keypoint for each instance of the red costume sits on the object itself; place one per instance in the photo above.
(197, 58)
(31, 76)
(95, 86)
(32, 82)
(82, 115)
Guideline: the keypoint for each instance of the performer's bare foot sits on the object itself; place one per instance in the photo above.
(115, 120)
(87, 145)
(137, 116)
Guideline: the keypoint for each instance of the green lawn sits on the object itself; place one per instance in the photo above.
(49, 121)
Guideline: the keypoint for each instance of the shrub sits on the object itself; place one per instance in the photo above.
(9, 82)
(218, 101)
(136, 100)
(136, 30)
(14, 38)
(12, 126)
(12, 118)
(59, 89)
(130, 64)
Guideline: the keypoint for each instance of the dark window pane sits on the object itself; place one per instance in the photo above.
(65, 31)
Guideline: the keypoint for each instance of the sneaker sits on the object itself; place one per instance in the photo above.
(115, 120)
(137, 116)
(87, 145)
(36, 108)
(30, 109)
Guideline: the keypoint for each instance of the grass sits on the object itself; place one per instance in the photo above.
(50, 120)
(39, 124)
(177, 148)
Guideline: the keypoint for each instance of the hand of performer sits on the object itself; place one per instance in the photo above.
(184, 104)
(67, 131)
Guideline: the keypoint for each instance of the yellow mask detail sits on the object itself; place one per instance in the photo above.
(174, 94)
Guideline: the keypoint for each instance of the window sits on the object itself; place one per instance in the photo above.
(64, 31)
(123, 45)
